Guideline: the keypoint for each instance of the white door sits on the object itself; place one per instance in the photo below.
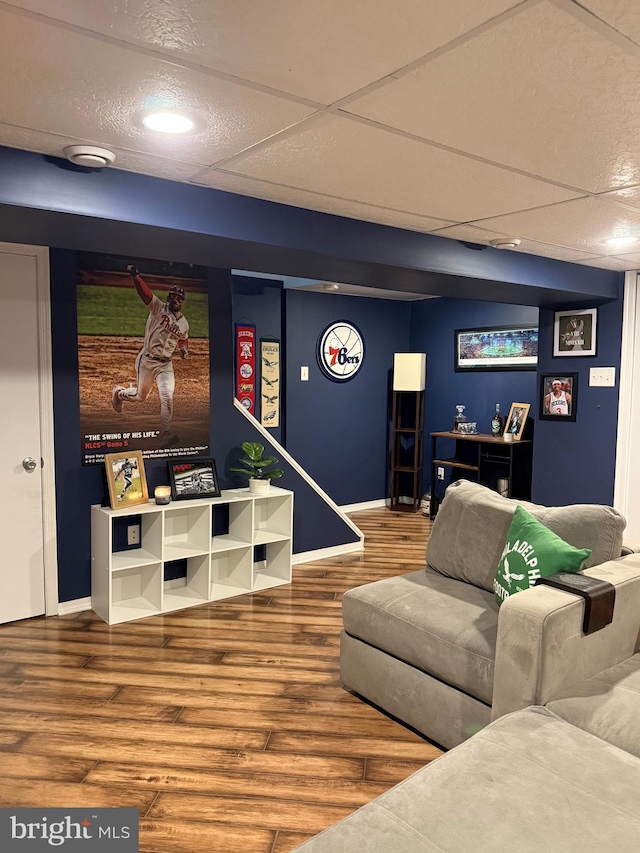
(626, 492)
(22, 576)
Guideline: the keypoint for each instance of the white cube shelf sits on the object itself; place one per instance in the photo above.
(130, 584)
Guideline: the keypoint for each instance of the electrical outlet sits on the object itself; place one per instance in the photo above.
(441, 473)
(133, 534)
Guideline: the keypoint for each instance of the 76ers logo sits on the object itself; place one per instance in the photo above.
(340, 351)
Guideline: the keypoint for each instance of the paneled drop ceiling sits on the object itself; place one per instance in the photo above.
(472, 119)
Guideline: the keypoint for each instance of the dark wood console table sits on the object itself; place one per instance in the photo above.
(484, 458)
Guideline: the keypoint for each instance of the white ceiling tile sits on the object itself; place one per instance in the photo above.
(541, 92)
(473, 234)
(616, 264)
(584, 224)
(629, 195)
(317, 49)
(622, 15)
(130, 161)
(314, 201)
(97, 90)
(353, 160)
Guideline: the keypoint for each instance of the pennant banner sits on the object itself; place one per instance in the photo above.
(246, 366)
(270, 382)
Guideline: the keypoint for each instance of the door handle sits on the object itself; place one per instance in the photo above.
(29, 463)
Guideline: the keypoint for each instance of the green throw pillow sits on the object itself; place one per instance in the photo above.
(533, 551)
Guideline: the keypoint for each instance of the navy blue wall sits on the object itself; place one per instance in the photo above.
(433, 323)
(49, 203)
(574, 462)
(339, 431)
(259, 301)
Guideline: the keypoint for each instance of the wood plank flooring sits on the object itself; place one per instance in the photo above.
(225, 725)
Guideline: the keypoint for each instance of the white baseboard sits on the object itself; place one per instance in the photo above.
(324, 553)
(75, 606)
(364, 505)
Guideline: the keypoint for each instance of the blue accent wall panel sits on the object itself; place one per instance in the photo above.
(574, 462)
(339, 431)
(433, 324)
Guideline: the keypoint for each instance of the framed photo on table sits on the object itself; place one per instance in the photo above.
(126, 479)
(558, 396)
(574, 332)
(514, 425)
(193, 478)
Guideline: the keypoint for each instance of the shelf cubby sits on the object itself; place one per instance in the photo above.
(218, 553)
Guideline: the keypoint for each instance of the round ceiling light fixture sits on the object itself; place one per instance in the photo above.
(505, 243)
(168, 121)
(330, 286)
(89, 155)
(621, 241)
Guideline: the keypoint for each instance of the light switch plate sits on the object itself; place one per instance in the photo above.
(304, 374)
(604, 377)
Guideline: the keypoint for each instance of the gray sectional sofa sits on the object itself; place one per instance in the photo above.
(554, 761)
(432, 648)
(564, 778)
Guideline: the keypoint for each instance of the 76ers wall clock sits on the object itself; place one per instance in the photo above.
(340, 351)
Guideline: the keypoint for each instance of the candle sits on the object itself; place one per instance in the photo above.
(162, 494)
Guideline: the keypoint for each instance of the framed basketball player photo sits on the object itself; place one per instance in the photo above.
(126, 479)
(574, 332)
(558, 396)
(514, 424)
(192, 479)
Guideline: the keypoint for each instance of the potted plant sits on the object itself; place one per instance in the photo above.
(254, 467)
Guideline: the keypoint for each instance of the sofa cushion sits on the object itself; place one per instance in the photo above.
(526, 783)
(607, 705)
(471, 528)
(437, 624)
(532, 551)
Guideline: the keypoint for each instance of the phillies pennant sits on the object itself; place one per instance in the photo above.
(246, 366)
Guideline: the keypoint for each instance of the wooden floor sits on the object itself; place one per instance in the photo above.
(225, 725)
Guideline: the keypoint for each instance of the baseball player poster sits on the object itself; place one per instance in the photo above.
(143, 357)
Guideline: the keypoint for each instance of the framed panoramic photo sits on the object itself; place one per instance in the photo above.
(193, 478)
(574, 332)
(514, 424)
(496, 348)
(126, 479)
(558, 396)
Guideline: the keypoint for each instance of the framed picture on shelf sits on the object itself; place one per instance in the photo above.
(496, 348)
(558, 396)
(574, 332)
(126, 479)
(514, 424)
(193, 478)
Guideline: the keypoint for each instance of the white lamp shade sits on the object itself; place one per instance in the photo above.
(409, 371)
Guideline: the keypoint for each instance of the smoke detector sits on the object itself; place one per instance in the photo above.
(505, 243)
(89, 155)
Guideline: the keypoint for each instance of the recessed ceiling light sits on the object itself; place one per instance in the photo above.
(166, 121)
(621, 241)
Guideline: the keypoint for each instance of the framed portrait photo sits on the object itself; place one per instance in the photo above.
(514, 424)
(574, 332)
(126, 479)
(496, 348)
(558, 396)
(193, 478)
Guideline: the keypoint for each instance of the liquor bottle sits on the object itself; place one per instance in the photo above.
(460, 418)
(497, 421)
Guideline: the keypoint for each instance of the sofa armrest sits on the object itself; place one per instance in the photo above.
(629, 547)
(541, 650)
